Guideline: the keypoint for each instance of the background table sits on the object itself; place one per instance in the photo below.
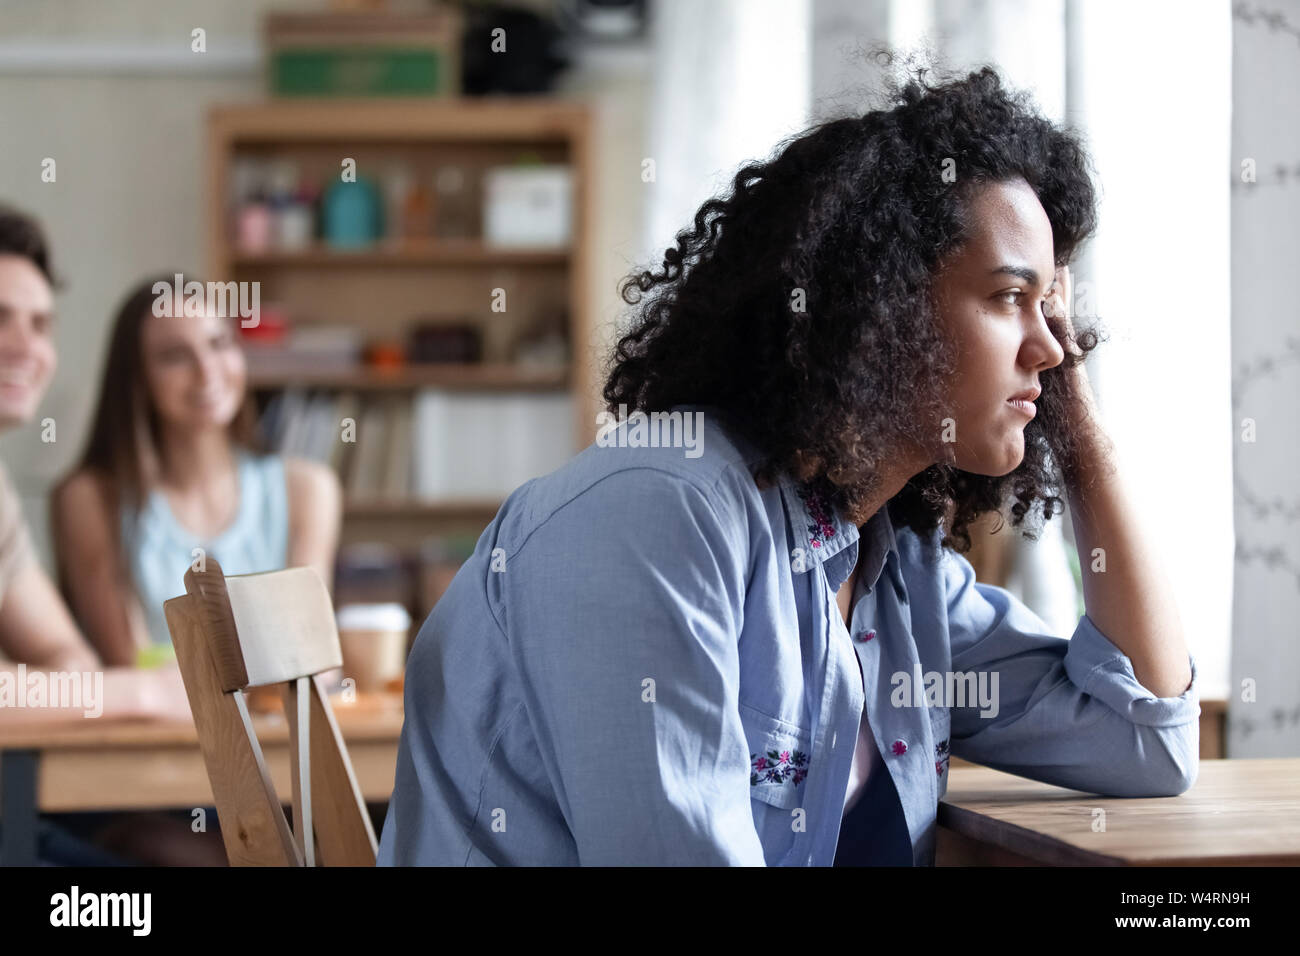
(1238, 813)
(142, 764)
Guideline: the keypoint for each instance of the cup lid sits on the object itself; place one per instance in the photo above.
(373, 617)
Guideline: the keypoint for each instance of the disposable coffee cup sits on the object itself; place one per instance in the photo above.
(373, 640)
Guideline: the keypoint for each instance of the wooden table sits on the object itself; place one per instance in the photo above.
(140, 764)
(1238, 813)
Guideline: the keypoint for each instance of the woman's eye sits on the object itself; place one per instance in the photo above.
(1011, 297)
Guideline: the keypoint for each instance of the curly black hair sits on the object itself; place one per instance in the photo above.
(801, 305)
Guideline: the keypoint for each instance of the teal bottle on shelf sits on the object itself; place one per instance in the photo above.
(352, 214)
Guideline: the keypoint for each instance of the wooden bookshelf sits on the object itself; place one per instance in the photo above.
(382, 288)
(445, 252)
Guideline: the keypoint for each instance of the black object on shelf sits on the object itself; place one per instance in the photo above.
(535, 51)
(444, 343)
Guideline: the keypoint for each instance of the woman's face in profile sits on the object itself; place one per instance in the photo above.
(194, 369)
(989, 297)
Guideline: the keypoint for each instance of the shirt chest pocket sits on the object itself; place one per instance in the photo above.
(780, 755)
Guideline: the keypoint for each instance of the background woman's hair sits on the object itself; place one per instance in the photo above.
(125, 433)
(850, 220)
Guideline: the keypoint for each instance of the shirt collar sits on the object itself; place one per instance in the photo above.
(875, 543)
(879, 550)
(819, 532)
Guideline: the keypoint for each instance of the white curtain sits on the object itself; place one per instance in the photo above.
(730, 79)
(1150, 83)
(1264, 703)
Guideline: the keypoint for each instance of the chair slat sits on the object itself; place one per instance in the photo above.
(297, 704)
(253, 826)
(343, 828)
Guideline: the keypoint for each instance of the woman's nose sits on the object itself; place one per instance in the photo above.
(207, 368)
(1042, 350)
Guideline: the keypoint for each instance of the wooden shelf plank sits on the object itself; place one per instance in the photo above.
(503, 377)
(433, 252)
(421, 508)
(451, 119)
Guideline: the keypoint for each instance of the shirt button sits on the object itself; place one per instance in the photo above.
(899, 748)
(866, 636)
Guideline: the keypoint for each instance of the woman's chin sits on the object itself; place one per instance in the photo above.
(997, 464)
(206, 421)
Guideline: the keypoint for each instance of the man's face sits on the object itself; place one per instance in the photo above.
(27, 357)
(989, 296)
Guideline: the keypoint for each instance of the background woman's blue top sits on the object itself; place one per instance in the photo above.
(161, 550)
(643, 663)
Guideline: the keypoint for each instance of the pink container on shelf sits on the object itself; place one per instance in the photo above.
(253, 227)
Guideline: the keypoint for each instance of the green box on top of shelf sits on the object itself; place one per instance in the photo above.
(358, 71)
(360, 53)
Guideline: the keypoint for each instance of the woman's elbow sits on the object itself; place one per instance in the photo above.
(1165, 762)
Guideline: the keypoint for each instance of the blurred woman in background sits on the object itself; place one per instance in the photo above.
(172, 473)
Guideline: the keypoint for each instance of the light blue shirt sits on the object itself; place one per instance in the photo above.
(643, 663)
(161, 550)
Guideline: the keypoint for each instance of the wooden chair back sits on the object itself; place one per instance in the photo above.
(255, 630)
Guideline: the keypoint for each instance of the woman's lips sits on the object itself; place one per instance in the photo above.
(1023, 406)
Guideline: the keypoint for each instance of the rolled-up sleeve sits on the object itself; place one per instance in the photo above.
(1070, 712)
(624, 610)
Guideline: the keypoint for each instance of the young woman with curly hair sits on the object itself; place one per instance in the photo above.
(764, 648)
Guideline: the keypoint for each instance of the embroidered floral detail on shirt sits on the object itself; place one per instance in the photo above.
(899, 748)
(941, 751)
(821, 529)
(778, 766)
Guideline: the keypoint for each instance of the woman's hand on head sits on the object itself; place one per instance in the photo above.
(1056, 305)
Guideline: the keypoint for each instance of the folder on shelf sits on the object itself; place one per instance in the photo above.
(471, 445)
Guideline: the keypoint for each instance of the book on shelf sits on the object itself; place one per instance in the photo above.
(347, 410)
(371, 451)
(397, 464)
